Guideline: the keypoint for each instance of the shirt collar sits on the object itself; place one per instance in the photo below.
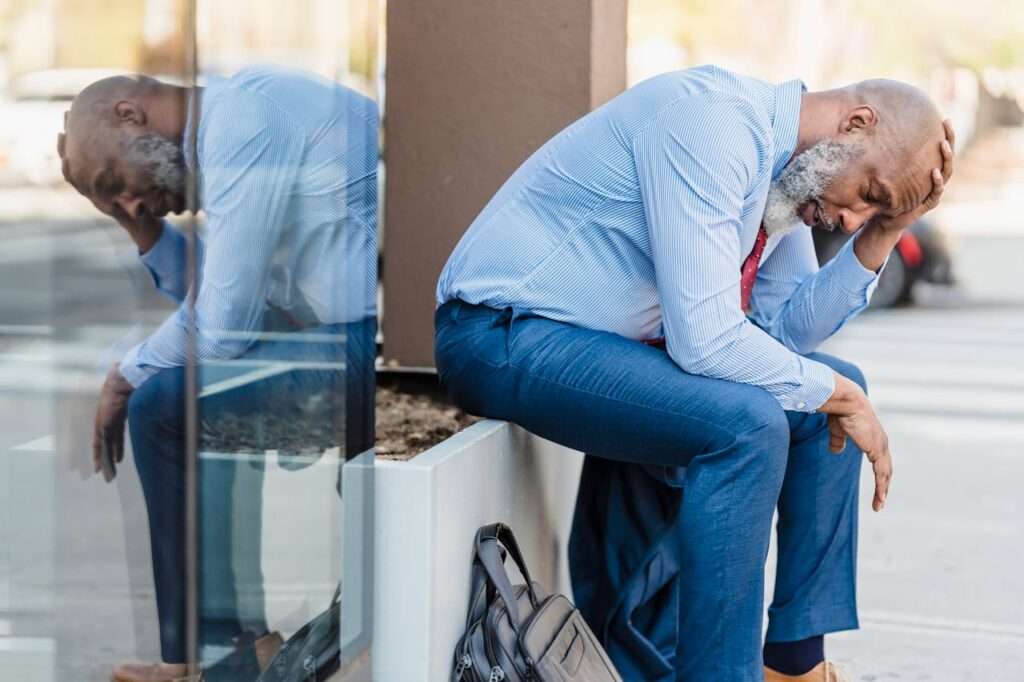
(786, 122)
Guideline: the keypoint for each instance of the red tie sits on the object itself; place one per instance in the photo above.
(748, 275)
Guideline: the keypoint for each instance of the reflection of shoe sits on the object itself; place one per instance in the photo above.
(134, 671)
(823, 672)
(267, 647)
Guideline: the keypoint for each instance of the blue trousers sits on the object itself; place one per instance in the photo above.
(230, 546)
(680, 482)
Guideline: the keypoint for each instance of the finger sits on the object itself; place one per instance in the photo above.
(107, 470)
(947, 126)
(119, 444)
(938, 187)
(837, 435)
(883, 475)
(97, 446)
(947, 160)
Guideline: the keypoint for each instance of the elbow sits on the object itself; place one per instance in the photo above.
(224, 346)
(694, 358)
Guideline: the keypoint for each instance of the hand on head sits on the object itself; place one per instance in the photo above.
(121, 150)
(877, 152)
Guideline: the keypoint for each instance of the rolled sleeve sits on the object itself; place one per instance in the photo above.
(819, 383)
(166, 262)
(851, 275)
(131, 368)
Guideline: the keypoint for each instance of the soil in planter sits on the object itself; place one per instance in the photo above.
(407, 424)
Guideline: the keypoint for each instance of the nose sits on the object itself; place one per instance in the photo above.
(851, 221)
(132, 205)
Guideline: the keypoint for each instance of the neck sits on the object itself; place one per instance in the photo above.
(169, 111)
(817, 110)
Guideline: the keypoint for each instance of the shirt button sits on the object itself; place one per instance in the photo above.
(801, 405)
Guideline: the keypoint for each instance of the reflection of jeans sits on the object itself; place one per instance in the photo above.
(156, 423)
(668, 562)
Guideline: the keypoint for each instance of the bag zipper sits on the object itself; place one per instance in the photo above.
(464, 663)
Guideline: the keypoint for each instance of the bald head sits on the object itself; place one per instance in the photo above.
(908, 121)
(868, 149)
(121, 145)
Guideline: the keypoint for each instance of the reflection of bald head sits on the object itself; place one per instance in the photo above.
(95, 104)
(908, 121)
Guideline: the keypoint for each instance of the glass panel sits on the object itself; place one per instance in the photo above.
(215, 273)
(76, 587)
(285, 321)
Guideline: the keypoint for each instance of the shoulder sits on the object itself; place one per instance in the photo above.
(712, 130)
(235, 112)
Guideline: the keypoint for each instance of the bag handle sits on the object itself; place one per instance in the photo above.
(487, 540)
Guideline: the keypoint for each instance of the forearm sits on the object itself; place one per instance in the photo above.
(748, 355)
(167, 260)
(874, 244)
(819, 307)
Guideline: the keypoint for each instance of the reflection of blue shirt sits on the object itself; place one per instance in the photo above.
(636, 219)
(286, 167)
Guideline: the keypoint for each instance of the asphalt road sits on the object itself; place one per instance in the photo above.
(941, 592)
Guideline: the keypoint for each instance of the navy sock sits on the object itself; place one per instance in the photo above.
(794, 658)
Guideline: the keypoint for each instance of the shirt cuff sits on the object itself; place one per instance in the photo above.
(132, 370)
(819, 383)
(165, 258)
(851, 275)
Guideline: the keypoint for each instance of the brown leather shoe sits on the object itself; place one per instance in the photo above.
(267, 647)
(135, 671)
(823, 672)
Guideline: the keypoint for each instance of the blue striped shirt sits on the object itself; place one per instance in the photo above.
(286, 169)
(636, 219)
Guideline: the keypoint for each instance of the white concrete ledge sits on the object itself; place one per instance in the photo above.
(426, 511)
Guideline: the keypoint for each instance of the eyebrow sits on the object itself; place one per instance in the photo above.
(886, 195)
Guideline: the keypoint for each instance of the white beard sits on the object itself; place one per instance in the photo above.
(805, 178)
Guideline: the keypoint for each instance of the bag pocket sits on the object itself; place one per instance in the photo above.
(562, 647)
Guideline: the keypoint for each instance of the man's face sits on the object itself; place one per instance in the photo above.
(881, 182)
(127, 173)
(842, 185)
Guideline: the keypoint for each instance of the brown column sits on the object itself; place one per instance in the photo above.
(473, 87)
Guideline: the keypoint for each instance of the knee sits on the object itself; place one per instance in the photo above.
(158, 403)
(758, 420)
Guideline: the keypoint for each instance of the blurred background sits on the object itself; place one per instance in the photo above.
(941, 592)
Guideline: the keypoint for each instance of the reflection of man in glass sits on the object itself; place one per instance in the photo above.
(285, 168)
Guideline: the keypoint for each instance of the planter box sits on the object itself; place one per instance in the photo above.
(425, 512)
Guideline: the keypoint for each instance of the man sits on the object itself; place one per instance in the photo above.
(285, 168)
(670, 215)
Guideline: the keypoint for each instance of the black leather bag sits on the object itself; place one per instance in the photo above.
(522, 633)
(313, 653)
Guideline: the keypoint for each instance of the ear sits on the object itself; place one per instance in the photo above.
(129, 112)
(861, 119)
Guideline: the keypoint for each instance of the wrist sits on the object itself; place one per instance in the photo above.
(873, 245)
(117, 382)
(847, 398)
(146, 233)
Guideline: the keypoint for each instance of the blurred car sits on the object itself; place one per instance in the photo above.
(31, 115)
(922, 254)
